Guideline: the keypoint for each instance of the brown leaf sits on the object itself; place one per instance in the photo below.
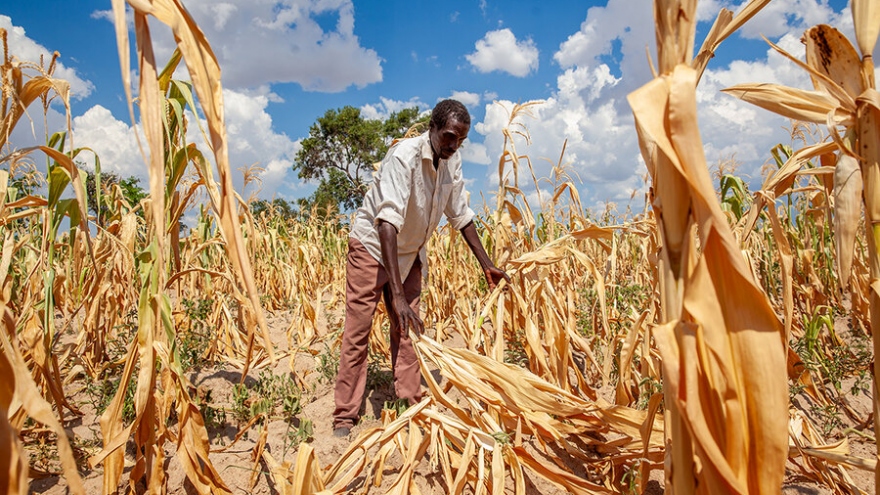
(829, 52)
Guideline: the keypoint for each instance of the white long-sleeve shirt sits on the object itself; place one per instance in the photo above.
(411, 195)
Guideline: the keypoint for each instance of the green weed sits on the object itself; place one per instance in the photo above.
(397, 405)
(100, 394)
(195, 336)
(378, 378)
(328, 365)
(271, 396)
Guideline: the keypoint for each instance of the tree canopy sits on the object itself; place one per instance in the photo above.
(340, 152)
(128, 186)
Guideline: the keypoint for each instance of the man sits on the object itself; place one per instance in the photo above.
(418, 181)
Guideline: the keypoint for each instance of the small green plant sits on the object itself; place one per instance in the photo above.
(299, 431)
(100, 394)
(197, 310)
(828, 416)
(862, 384)
(269, 394)
(241, 409)
(215, 418)
(302, 433)
(195, 338)
(117, 344)
(515, 352)
(647, 388)
(378, 378)
(280, 391)
(835, 361)
(328, 365)
(43, 453)
(630, 478)
(397, 405)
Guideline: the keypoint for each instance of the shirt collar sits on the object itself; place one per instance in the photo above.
(427, 152)
(428, 157)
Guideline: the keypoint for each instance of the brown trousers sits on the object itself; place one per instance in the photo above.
(366, 281)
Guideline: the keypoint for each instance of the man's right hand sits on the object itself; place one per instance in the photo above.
(407, 319)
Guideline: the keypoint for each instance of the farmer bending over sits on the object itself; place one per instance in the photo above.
(418, 181)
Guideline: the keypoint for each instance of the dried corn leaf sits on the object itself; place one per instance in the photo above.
(570, 482)
(281, 474)
(32, 402)
(725, 25)
(866, 20)
(306, 474)
(829, 52)
(786, 262)
(205, 73)
(34, 89)
(13, 458)
(839, 453)
(780, 182)
(847, 210)
(798, 104)
(516, 392)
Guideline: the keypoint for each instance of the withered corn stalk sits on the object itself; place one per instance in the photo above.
(22, 397)
(721, 343)
(156, 340)
(844, 96)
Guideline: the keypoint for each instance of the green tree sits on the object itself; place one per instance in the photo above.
(130, 187)
(340, 152)
(334, 192)
(398, 123)
(275, 207)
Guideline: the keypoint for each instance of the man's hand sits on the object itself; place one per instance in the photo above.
(407, 319)
(494, 276)
(492, 273)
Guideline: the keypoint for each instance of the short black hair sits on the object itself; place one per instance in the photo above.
(449, 109)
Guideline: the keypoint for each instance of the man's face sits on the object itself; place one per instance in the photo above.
(446, 141)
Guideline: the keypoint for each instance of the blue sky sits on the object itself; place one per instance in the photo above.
(285, 62)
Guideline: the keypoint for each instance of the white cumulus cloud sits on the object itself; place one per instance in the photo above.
(387, 106)
(781, 17)
(499, 50)
(251, 139)
(263, 42)
(588, 110)
(466, 98)
(27, 50)
(113, 140)
(254, 141)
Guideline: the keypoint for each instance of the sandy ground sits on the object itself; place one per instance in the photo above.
(236, 466)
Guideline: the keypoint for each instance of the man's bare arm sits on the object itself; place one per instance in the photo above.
(492, 273)
(400, 309)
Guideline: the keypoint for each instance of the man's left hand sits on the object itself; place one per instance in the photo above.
(494, 276)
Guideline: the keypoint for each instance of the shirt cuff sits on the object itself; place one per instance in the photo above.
(461, 221)
(390, 216)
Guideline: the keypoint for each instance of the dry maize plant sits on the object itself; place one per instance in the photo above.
(721, 343)
(32, 369)
(120, 270)
(845, 98)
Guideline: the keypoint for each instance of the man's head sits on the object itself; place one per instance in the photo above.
(450, 123)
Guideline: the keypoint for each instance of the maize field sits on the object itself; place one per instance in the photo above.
(720, 340)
